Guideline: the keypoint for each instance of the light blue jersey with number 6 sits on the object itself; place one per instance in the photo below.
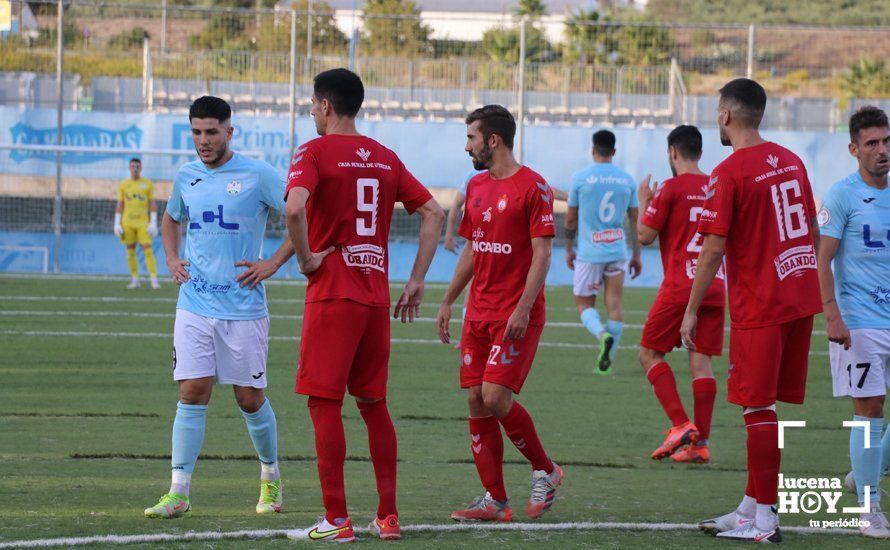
(226, 209)
(603, 193)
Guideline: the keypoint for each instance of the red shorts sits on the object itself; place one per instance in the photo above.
(485, 357)
(662, 329)
(769, 364)
(344, 345)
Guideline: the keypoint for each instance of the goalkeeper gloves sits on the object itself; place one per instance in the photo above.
(153, 224)
(118, 229)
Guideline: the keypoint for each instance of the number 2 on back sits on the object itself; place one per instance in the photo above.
(367, 226)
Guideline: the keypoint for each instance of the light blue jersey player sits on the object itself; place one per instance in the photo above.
(600, 197)
(222, 326)
(855, 224)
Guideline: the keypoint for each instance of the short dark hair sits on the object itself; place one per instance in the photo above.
(686, 140)
(604, 143)
(495, 120)
(343, 88)
(749, 96)
(136, 160)
(866, 117)
(209, 106)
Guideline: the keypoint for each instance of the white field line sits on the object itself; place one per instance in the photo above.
(421, 528)
(160, 299)
(89, 334)
(147, 315)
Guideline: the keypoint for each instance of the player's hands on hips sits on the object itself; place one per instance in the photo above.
(570, 259)
(311, 264)
(257, 272)
(152, 230)
(837, 332)
(118, 230)
(442, 320)
(635, 266)
(177, 268)
(517, 324)
(687, 330)
(450, 244)
(408, 306)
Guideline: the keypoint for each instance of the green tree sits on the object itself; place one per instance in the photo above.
(224, 31)
(274, 34)
(128, 40)
(532, 8)
(641, 44)
(394, 27)
(587, 41)
(502, 44)
(867, 78)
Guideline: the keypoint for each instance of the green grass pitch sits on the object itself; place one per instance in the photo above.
(86, 413)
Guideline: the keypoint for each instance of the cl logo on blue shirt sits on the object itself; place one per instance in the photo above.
(866, 236)
(209, 216)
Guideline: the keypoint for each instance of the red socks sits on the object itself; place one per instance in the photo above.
(488, 454)
(520, 429)
(330, 447)
(384, 453)
(662, 379)
(764, 456)
(705, 391)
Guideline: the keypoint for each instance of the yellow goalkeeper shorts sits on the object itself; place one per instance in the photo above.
(136, 234)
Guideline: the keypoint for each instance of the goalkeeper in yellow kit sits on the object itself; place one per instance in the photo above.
(136, 220)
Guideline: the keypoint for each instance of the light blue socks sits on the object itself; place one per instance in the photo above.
(188, 436)
(263, 431)
(614, 328)
(866, 462)
(591, 320)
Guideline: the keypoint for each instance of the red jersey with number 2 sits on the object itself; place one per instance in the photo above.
(501, 217)
(674, 213)
(760, 199)
(353, 183)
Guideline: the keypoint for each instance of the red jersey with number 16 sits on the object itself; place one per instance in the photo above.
(674, 213)
(760, 199)
(501, 217)
(353, 183)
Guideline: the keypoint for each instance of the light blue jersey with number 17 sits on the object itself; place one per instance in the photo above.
(602, 192)
(859, 216)
(226, 209)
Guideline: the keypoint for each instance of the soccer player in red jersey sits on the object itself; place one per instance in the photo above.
(508, 223)
(341, 192)
(671, 213)
(760, 213)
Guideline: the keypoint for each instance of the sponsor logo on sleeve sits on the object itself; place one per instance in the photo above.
(823, 217)
(795, 261)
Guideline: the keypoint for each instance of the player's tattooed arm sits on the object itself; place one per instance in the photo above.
(835, 328)
(571, 231)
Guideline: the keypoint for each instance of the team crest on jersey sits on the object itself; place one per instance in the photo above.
(824, 217)
(233, 187)
(773, 161)
(467, 358)
(363, 154)
(502, 203)
(486, 215)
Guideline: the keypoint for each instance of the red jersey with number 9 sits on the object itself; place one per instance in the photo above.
(760, 199)
(353, 183)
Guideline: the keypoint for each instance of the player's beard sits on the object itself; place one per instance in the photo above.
(673, 168)
(481, 159)
(217, 156)
(724, 139)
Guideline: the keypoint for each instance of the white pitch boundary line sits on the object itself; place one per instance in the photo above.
(142, 299)
(10, 332)
(420, 528)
